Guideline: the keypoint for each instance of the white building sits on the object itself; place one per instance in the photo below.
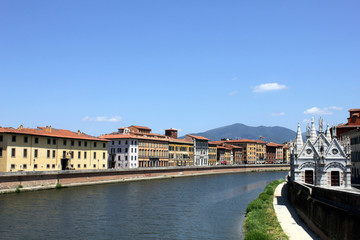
(322, 160)
(201, 150)
(122, 150)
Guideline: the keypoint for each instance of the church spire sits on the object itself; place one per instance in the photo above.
(327, 133)
(312, 131)
(298, 140)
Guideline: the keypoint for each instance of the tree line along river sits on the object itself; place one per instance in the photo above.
(203, 207)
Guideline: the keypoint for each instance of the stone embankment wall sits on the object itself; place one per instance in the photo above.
(330, 213)
(43, 180)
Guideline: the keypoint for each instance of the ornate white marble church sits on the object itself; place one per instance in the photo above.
(322, 160)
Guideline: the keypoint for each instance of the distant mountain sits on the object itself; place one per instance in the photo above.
(239, 131)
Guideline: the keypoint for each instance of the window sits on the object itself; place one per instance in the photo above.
(79, 154)
(126, 158)
(94, 144)
(72, 143)
(132, 158)
(103, 165)
(135, 150)
(53, 166)
(12, 166)
(104, 155)
(48, 153)
(135, 142)
(79, 143)
(104, 145)
(84, 155)
(36, 140)
(78, 165)
(1, 152)
(119, 141)
(25, 153)
(53, 153)
(85, 144)
(54, 141)
(13, 152)
(132, 142)
(25, 139)
(132, 149)
(64, 142)
(126, 142)
(48, 141)
(119, 150)
(119, 165)
(119, 158)
(113, 142)
(36, 153)
(47, 165)
(13, 138)
(84, 165)
(64, 154)
(72, 165)
(24, 166)
(1, 138)
(135, 157)
(35, 166)
(94, 165)
(72, 154)
(94, 155)
(126, 149)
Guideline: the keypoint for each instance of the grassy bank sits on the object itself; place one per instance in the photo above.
(261, 221)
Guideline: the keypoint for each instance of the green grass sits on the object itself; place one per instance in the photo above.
(261, 221)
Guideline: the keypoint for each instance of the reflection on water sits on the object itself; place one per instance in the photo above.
(206, 207)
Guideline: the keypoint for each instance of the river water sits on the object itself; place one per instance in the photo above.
(203, 207)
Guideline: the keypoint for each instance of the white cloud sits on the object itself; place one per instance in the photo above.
(269, 87)
(322, 111)
(306, 120)
(278, 114)
(102, 119)
(233, 93)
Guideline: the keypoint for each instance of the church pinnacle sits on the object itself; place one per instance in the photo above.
(312, 131)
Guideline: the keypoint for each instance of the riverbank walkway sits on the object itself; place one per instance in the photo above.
(289, 220)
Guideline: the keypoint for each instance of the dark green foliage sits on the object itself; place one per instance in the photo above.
(257, 235)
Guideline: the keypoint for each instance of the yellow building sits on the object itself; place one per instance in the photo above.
(50, 149)
(212, 153)
(181, 152)
(253, 151)
(286, 152)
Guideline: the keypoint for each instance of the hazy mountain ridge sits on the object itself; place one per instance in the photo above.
(238, 131)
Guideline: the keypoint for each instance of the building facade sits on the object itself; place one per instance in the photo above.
(50, 149)
(212, 154)
(253, 151)
(181, 152)
(201, 150)
(351, 130)
(322, 160)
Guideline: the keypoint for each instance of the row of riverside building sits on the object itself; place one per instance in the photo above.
(51, 149)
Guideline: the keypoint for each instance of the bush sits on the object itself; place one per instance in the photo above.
(58, 186)
(256, 204)
(261, 221)
(20, 186)
(257, 235)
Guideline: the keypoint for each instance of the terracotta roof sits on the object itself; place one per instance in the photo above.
(246, 141)
(271, 144)
(134, 136)
(354, 110)
(197, 137)
(140, 127)
(50, 132)
(117, 136)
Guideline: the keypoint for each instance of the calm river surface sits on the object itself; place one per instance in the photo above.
(204, 207)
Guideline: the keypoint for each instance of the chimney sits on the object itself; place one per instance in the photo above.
(78, 132)
(20, 127)
(172, 133)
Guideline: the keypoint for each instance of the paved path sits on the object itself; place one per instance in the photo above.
(290, 222)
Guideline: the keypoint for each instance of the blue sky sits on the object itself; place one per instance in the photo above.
(191, 65)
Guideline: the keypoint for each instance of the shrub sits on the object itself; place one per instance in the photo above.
(256, 204)
(257, 235)
(58, 186)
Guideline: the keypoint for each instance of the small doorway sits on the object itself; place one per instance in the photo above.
(64, 163)
(309, 176)
(335, 178)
